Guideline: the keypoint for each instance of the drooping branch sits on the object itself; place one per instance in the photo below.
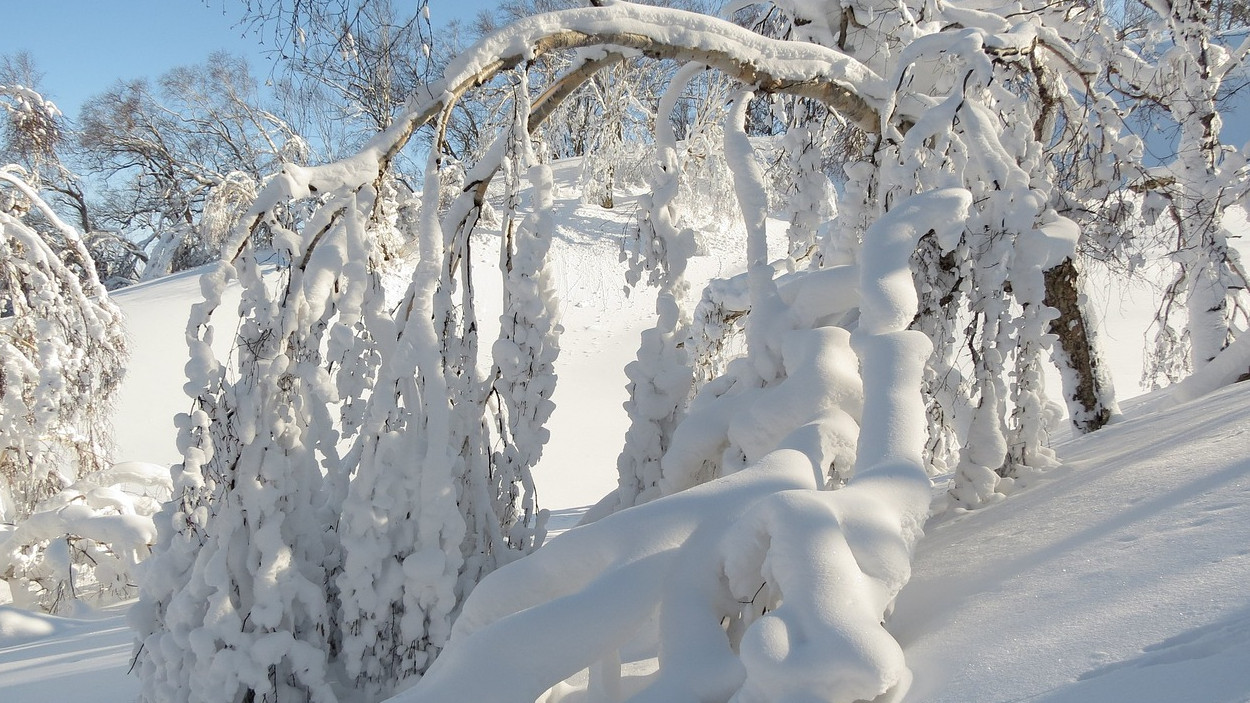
(546, 104)
(768, 65)
(478, 180)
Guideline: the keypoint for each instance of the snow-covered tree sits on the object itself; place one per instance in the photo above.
(775, 505)
(348, 65)
(243, 579)
(62, 356)
(38, 137)
(365, 574)
(1183, 67)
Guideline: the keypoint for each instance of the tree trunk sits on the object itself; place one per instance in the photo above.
(1086, 383)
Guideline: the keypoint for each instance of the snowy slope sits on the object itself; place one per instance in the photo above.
(49, 658)
(151, 394)
(1120, 576)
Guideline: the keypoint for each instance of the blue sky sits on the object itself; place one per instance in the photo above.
(83, 46)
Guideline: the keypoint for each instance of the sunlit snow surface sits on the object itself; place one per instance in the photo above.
(1120, 576)
(48, 658)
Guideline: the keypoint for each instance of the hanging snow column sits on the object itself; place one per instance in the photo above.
(842, 556)
(401, 528)
(659, 379)
(524, 356)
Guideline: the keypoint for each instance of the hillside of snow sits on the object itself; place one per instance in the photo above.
(1118, 576)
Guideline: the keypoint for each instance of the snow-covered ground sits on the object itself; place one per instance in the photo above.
(50, 658)
(1119, 576)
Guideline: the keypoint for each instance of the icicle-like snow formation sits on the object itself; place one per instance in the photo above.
(658, 385)
(529, 342)
(401, 528)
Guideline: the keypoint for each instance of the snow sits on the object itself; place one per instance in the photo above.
(50, 658)
(156, 319)
(1118, 576)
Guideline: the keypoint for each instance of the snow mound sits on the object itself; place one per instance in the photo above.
(17, 625)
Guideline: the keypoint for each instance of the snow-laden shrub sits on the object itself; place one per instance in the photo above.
(85, 543)
(62, 352)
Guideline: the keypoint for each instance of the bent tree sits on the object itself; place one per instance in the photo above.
(350, 482)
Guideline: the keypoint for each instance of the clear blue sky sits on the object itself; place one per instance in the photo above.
(83, 46)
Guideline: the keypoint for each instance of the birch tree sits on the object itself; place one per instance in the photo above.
(1184, 71)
